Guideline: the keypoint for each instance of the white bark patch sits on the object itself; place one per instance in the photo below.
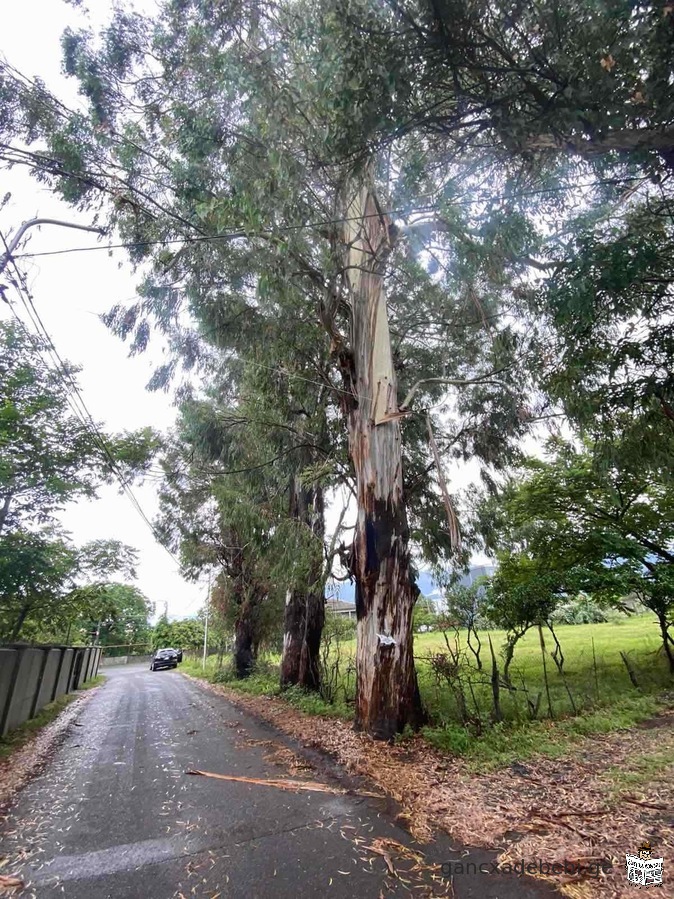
(386, 640)
(381, 377)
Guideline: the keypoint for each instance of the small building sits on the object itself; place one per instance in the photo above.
(341, 608)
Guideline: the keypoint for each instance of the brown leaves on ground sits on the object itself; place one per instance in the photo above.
(10, 885)
(283, 757)
(570, 808)
(24, 762)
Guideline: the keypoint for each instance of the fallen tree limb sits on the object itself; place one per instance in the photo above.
(656, 805)
(308, 785)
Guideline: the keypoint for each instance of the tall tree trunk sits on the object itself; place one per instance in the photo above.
(246, 598)
(666, 638)
(20, 619)
(305, 608)
(387, 693)
(245, 649)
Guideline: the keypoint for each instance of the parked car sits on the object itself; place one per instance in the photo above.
(165, 658)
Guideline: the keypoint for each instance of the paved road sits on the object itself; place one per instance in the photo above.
(116, 815)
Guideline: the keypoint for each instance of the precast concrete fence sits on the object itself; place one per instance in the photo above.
(33, 676)
(112, 661)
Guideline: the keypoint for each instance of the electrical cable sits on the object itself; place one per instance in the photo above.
(76, 401)
(272, 232)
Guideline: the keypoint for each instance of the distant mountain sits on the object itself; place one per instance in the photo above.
(428, 586)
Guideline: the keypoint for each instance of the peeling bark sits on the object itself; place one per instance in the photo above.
(387, 694)
(305, 609)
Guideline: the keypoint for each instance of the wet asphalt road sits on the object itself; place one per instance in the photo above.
(116, 815)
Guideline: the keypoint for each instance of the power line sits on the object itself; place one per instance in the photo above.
(80, 410)
(272, 232)
(230, 235)
(75, 400)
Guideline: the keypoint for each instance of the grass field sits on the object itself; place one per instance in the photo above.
(594, 693)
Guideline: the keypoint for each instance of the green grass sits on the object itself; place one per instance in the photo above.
(593, 695)
(589, 687)
(22, 734)
(640, 771)
(265, 682)
(505, 743)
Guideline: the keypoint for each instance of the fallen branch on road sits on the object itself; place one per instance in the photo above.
(310, 786)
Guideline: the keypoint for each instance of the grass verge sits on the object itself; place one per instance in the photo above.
(265, 682)
(504, 744)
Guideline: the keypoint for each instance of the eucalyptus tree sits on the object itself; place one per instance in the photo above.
(225, 505)
(254, 157)
(575, 98)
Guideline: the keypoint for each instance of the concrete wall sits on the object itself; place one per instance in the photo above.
(61, 685)
(33, 676)
(83, 668)
(110, 661)
(49, 673)
(25, 687)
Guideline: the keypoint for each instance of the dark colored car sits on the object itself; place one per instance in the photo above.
(166, 658)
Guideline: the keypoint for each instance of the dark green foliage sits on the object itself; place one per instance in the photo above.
(571, 526)
(47, 457)
(36, 571)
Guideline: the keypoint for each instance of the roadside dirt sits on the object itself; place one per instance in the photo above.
(18, 768)
(575, 808)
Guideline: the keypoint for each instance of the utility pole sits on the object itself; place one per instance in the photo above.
(14, 241)
(208, 606)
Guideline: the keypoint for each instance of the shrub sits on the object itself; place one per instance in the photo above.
(451, 738)
(583, 610)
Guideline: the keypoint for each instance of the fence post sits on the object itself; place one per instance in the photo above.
(38, 687)
(73, 668)
(58, 673)
(12, 686)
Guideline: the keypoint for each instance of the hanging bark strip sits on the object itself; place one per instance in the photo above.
(387, 694)
(452, 521)
(293, 785)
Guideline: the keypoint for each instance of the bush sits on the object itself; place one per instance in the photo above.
(336, 664)
(424, 619)
(451, 738)
(583, 610)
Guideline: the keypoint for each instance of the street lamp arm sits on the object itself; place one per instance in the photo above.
(14, 242)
